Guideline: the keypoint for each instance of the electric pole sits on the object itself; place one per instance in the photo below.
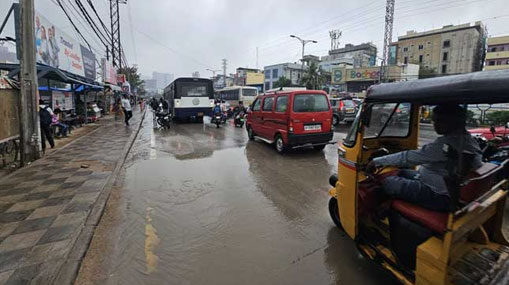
(28, 113)
(225, 64)
(389, 20)
(116, 47)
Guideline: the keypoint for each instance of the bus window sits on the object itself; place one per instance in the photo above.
(249, 92)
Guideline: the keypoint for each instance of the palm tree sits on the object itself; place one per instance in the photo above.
(313, 79)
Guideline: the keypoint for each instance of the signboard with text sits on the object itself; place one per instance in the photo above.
(109, 73)
(62, 100)
(57, 49)
(342, 75)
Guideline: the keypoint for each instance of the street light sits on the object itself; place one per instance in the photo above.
(213, 72)
(303, 42)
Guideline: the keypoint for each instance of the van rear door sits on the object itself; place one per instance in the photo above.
(310, 113)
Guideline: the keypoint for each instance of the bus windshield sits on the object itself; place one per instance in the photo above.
(192, 89)
(249, 92)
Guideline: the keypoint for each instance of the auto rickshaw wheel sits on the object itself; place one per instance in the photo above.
(334, 212)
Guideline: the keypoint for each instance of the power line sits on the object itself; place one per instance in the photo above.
(92, 24)
(98, 17)
(72, 23)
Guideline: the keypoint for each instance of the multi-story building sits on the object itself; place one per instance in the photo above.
(497, 56)
(451, 49)
(249, 77)
(163, 79)
(363, 55)
(7, 56)
(292, 71)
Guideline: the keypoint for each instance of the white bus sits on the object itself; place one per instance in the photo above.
(190, 98)
(234, 94)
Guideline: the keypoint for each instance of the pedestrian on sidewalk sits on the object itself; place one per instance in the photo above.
(45, 118)
(117, 109)
(126, 106)
(62, 128)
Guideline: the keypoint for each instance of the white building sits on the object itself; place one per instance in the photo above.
(291, 71)
(162, 79)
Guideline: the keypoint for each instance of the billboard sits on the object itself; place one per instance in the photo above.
(109, 73)
(342, 75)
(57, 49)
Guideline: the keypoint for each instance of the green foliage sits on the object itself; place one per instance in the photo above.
(133, 77)
(498, 117)
(314, 78)
(427, 72)
(282, 82)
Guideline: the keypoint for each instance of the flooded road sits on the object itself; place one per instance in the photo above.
(200, 205)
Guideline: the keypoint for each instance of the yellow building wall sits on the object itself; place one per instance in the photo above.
(255, 78)
(498, 40)
(431, 51)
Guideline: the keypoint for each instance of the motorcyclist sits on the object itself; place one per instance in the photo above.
(164, 104)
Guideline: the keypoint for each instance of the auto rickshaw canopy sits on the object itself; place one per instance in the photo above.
(484, 87)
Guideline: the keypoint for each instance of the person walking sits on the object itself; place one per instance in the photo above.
(45, 117)
(126, 106)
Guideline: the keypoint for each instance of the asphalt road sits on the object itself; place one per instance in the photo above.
(200, 205)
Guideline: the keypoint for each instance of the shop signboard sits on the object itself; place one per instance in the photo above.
(109, 73)
(88, 63)
(62, 100)
(55, 48)
(121, 78)
(342, 75)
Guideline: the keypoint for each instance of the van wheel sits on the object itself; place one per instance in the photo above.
(280, 144)
(335, 120)
(250, 133)
(334, 212)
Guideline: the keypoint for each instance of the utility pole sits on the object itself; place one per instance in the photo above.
(304, 43)
(116, 47)
(225, 64)
(29, 116)
(389, 21)
(256, 57)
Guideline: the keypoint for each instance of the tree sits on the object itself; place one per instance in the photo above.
(427, 72)
(314, 79)
(282, 82)
(134, 79)
(499, 117)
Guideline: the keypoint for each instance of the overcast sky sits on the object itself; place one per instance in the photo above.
(181, 37)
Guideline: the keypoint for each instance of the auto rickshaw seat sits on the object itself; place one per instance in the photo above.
(434, 220)
(481, 181)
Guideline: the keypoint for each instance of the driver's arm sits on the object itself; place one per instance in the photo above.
(432, 152)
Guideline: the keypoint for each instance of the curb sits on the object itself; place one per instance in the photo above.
(70, 269)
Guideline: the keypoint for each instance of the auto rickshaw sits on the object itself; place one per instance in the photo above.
(418, 246)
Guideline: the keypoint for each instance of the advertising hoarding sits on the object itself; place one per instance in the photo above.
(109, 73)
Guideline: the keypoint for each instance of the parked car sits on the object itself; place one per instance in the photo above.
(489, 133)
(291, 119)
(344, 109)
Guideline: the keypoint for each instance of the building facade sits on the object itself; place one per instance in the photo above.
(7, 56)
(363, 55)
(357, 80)
(497, 56)
(163, 79)
(291, 71)
(452, 49)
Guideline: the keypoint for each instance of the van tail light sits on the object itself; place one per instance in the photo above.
(290, 125)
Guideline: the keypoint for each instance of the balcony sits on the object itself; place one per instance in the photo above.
(496, 67)
(497, 55)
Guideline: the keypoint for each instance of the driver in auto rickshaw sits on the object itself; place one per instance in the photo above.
(426, 186)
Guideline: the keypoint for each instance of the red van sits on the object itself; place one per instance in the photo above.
(291, 119)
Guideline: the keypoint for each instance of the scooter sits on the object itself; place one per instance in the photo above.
(239, 119)
(163, 119)
(217, 119)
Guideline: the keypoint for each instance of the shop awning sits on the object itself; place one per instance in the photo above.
(52, 73)
(113, 87)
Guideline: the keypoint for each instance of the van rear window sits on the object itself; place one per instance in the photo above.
(310, 103)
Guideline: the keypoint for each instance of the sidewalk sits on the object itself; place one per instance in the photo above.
(49, 210)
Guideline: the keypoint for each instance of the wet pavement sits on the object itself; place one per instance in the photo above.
(200, 205)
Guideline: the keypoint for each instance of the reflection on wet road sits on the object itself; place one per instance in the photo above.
(200, 205)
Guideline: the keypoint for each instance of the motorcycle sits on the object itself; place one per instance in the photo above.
(163, 119)
(240, 118)
(217, 119)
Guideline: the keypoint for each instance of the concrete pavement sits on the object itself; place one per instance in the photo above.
(49, 210)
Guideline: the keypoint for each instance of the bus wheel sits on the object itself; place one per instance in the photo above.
(334, 212)
(250, 133)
